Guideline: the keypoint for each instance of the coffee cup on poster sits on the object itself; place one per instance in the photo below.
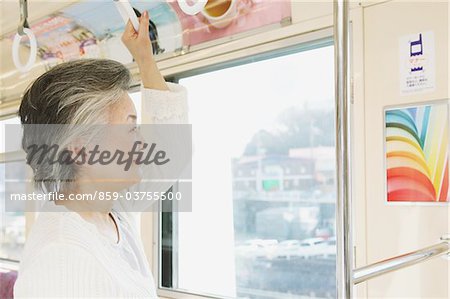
(220, 13)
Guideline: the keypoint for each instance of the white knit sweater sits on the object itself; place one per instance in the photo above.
(66, 256)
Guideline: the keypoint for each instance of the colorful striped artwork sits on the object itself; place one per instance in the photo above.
(417, 153)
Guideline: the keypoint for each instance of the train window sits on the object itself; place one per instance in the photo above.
(263, 220)
(12, 224)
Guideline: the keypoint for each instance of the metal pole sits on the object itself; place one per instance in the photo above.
(400, 262)
(344, 266)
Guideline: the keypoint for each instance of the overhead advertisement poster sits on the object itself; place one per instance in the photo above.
(61, 39)
(416, 153)
(90, 29)
(223, 18)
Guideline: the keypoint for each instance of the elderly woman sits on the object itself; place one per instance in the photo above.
(76, 252)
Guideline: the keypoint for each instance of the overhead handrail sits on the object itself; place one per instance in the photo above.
(402, 261)
(23, 17)
(24, 30)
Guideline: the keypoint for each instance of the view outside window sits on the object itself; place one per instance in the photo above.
(263, 215)
(12, 224)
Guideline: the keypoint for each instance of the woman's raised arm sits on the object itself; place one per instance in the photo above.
(162, 103)
(140, 46)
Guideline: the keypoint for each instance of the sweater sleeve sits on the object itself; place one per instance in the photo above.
(165, 106)
(160, 107)
(64, 270)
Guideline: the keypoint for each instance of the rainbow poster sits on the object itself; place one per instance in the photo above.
(417, 153)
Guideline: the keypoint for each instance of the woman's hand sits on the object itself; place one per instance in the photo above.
(140, 46)
(139, 43)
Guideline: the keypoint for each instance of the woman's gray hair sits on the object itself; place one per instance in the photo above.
(65, 103)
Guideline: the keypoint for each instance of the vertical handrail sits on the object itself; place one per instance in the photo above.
(344, 267)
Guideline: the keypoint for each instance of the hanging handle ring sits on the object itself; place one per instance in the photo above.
(192, 9)
(127, 13)
(33, 51)
(24, 30)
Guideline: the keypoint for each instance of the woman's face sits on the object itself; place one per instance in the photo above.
(121, 135)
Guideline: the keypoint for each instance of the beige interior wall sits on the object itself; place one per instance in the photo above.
(393, 230)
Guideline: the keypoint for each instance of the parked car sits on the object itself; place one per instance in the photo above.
(257, 248)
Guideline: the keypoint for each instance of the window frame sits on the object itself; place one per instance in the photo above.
(287, 36)
(271, 49)
(8, 157)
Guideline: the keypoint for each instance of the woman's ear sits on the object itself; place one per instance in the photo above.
(77, 152)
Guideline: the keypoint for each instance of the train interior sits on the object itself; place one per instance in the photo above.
(312, 173)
